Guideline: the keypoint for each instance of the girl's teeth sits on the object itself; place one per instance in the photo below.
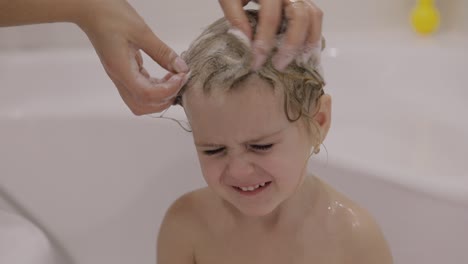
(251, 188)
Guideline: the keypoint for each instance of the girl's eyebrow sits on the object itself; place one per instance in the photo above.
(261, 138)
(207, 145)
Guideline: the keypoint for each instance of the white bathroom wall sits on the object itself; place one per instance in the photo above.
(179, 21)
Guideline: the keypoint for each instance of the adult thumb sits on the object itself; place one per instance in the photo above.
(161, 53)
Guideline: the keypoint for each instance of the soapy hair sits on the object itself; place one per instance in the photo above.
(221, 58)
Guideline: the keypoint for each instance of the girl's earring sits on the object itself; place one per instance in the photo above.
(316, 149)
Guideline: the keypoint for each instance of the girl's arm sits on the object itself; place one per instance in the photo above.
(177, 234)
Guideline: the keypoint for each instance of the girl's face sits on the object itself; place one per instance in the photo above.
(249, 153)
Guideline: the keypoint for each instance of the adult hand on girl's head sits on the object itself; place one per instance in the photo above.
(303, 36)
(118, 33)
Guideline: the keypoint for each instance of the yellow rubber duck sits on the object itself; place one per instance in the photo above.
(425, 17)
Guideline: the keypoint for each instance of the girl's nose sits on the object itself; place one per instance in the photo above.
(239, 167)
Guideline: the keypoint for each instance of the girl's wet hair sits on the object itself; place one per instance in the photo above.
(221, 59)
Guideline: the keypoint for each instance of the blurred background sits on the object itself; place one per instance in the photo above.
(172, 23)
(97, 180)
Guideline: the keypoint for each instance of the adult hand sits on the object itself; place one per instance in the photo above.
(118, 33)
(303, 37)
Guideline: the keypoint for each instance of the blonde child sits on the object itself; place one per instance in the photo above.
(254, 133)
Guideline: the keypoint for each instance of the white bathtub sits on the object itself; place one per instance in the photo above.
(98, 180)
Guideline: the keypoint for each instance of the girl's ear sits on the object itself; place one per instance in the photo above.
(322, 117)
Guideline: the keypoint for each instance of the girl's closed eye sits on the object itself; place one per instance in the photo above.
(264, 147)
(211, 152)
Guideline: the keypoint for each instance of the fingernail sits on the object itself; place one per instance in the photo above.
(236, 32)
(175, 78)
(179, 65)
(260, 53)
(259, 60)
(310, 55)
(185, 79)
(281, 60)
(314, 48)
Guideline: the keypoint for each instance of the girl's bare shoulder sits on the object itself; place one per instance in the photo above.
(183, 227)
(363, 237)
(195, 208)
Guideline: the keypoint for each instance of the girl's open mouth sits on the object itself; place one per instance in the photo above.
(252, 190)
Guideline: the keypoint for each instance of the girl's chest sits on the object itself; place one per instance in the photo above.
(274, 249)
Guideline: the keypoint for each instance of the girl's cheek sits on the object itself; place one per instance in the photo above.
(211, 169)
(273, 165)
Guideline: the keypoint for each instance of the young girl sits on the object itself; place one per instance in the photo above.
(254, 133)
